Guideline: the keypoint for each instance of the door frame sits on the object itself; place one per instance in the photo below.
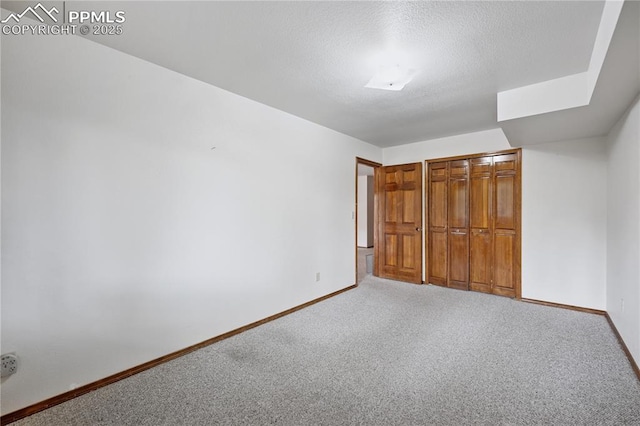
(375, 165)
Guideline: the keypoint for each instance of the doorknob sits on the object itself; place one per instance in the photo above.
(418, 229)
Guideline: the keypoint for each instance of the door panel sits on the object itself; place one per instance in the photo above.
(505, 205)
(438, 258)
(410, 175)
(437, 223)
(505, 162)
(438, 205)
(480, 205)
(458, 211)
(482, 165)
(408, 248)
(399, 189)
(480, 269)
(409, 199)
(390, 212)
(504, 279)
(506, 251)
(458, 225)
(459, 168)
(480, 201)
(391, 177)
(390, 250)
(458, 259)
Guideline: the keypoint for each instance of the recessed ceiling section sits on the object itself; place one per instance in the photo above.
(617, 86)
(567, 92)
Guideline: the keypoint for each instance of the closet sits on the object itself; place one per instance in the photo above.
(473, 222)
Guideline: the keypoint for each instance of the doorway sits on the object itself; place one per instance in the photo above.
(364, 217)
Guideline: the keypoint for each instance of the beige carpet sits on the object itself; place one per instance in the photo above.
(385, 353)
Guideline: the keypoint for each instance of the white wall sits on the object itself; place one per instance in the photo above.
(568, 267)
(126, 237)
(469, 143)
(564, 216)
(365, 211)
(623, 228)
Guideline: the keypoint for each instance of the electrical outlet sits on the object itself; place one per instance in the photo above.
(9, 363)
(317, 276)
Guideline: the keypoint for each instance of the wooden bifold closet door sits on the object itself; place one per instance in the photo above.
(473, 223)
(458, 225)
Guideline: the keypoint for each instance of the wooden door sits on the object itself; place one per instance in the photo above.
(506, 218)
(458, 225)
(399, 231)
(481, 226)
(438, 177)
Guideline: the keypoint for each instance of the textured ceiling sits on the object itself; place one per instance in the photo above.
(312, 59)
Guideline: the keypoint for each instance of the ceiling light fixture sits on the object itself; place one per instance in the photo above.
(391, 77)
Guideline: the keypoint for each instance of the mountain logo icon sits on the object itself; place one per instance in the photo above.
(38, 11)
